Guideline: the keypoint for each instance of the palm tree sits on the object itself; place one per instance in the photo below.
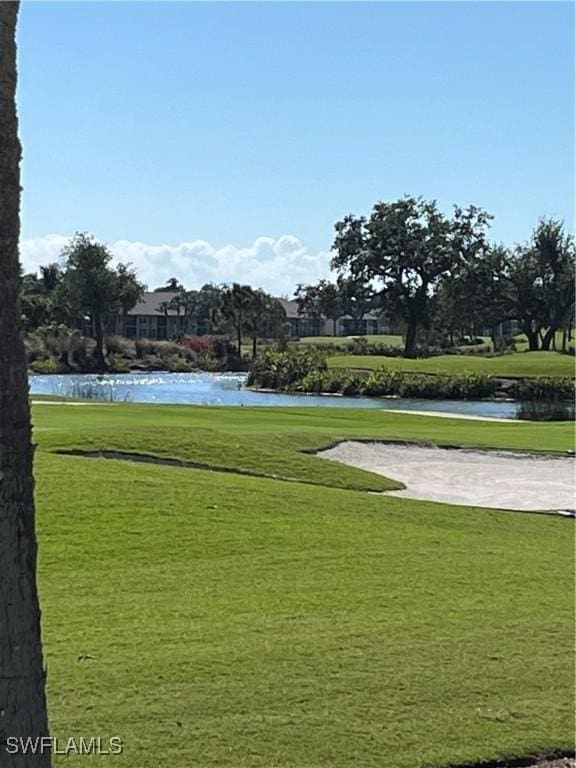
(129, 290)
(173, 284)
(50, 277)
(22, 673)
(266, 318)
(189, 301)
(234, 310)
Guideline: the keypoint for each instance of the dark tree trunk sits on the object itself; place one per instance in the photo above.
(564, 339)
(22, 673)
(99, 336)
(533, 339)
(239, 340)
(410, 343)
(548, 339)
(334, 321)
(254, 346)
(494, 337)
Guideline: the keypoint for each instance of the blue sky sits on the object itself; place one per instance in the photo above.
(223, 140)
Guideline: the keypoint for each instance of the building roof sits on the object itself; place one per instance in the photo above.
(151, 303)
(290, 307)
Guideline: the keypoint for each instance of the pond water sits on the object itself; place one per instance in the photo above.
(229, 389)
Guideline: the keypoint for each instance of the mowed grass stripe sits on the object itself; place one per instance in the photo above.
(245, 622)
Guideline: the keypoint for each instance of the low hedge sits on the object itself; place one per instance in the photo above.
(305, 370)
(396, 383)
(559, 388)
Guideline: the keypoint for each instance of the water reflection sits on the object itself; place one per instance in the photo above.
(229, 389)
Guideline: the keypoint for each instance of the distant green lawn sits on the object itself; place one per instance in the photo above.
(214, 619)
(521, 341)
(519, 364)
(390, 340)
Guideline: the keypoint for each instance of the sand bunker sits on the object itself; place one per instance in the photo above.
(498, 480)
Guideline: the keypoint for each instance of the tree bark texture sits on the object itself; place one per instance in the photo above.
(22, 674)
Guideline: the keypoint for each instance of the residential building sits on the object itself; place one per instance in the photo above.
(304, 325)
(154, 318)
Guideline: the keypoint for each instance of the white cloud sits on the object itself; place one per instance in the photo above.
(275, 265)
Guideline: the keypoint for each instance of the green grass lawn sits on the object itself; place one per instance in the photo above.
(519, 364)
(214, 619)
(521, 341)
(382, 338)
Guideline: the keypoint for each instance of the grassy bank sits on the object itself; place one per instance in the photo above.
(190, 433)
(513, 365)
(213, 619)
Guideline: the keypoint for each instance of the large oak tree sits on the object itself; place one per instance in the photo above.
(406, 248)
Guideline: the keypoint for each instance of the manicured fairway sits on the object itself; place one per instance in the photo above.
(213, 619)
(247, 437)
(519, 364)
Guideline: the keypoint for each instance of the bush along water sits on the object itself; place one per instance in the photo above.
(285, 370)
(546, 410)
(305, 370)
(543, 389)
(545, 399)
(386, 383)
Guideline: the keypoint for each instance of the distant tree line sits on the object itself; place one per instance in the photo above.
(85, 292)
(441, 275)
(433, 276)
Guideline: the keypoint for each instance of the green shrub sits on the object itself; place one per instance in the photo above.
(359, 346)
(207, 362)
(166, 350)
(118, 345)
(546, 410)
(117, 363)
(352, 384)
(558, 388)
(336, 382)
(35, 349)
(153, 363)
(383, 383)
(305, 371)
(143, 348)
(419, 385)
(313, 382)
(384, 350)
(49, 365)
(177, 364)
(285, 370)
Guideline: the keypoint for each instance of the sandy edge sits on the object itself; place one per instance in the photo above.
(504, 480)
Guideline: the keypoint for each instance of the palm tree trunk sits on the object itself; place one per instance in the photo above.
(22, 673)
